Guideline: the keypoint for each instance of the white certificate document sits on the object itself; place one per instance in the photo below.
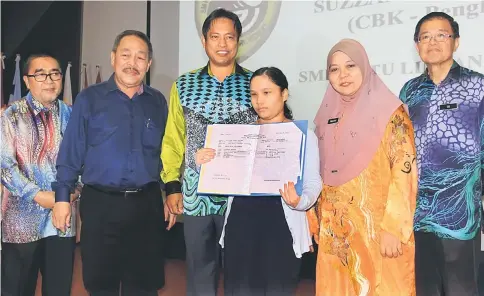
(252, 159)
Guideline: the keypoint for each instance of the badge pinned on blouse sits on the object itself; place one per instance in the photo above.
(333, 120)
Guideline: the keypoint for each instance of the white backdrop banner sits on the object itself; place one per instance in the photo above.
(296, 36)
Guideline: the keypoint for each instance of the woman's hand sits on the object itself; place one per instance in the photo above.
(204, 155)
(390, 245)
(289, 194)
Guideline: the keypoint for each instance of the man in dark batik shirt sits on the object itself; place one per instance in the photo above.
(446, 109)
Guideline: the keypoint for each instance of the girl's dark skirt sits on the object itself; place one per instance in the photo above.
(258, 256)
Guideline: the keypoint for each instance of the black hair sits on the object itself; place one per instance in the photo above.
(279, 79)
(32, 57)
(221, 13)
(433, 15)
(138, 34)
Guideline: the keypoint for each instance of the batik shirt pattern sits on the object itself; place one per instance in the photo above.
(449, 137)
(31, 135)
(198, 99)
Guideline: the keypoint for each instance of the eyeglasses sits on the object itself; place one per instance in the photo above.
(55, 76)
(425, 38)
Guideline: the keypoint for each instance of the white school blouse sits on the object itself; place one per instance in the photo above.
(296, 217)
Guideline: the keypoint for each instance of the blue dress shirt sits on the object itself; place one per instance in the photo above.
(112, 140)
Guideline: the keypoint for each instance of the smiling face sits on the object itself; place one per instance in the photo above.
(436, 43)
(344, 74)
(221, 43)
(130, 62)
(45, 91)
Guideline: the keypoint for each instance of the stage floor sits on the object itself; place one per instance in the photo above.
(175, 280)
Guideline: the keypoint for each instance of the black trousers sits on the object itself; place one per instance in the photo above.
(259, 256)
(121, 242)
(52, 256)
(446, 267)
(203, 252)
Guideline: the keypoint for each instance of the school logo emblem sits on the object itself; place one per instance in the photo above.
(258, 19)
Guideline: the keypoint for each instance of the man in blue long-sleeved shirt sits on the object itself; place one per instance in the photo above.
(114, 141)
(447, 110)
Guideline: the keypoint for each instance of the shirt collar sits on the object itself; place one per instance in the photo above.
(112, 86)
(37, 107)
(236, 70)
(453, 75)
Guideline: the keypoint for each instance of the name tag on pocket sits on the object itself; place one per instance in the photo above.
(333, 120)
(448, 106)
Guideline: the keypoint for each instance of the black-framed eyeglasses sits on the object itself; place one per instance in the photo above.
(441, 37)
(54, 76)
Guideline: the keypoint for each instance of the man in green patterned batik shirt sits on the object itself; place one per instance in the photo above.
(217, 93)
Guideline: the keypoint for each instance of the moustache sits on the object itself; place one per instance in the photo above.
(131, 69)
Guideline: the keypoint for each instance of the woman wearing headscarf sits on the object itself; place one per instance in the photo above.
(363, 222)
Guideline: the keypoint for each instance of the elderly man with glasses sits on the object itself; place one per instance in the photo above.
(31, 131)
(446, 108)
